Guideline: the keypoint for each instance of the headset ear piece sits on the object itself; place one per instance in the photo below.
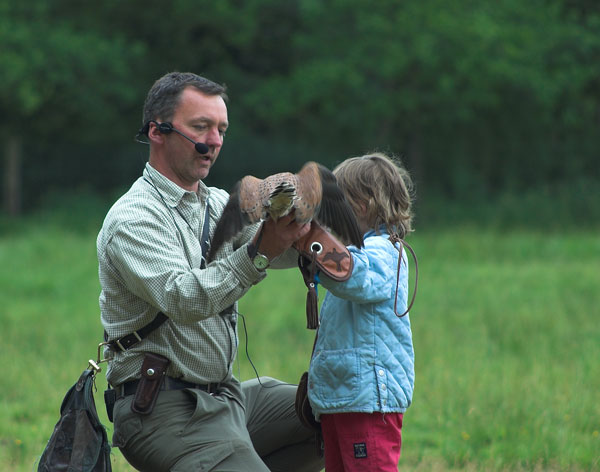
(165, 127)
(143, 131)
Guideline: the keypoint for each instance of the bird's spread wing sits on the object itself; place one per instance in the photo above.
(231, 222)
(310, 192)
(335, 212)
(249, 202)
(313, 192)
(253, 194)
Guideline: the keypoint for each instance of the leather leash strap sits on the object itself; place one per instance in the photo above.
(394, 238)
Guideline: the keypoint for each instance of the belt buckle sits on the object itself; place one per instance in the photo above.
(124, 348)
(120, 390)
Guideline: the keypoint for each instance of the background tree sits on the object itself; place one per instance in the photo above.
(479, 98)
(59, 82)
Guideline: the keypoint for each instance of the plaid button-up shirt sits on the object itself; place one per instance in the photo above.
(149, 257)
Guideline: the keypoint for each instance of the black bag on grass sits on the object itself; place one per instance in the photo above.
(79, 441)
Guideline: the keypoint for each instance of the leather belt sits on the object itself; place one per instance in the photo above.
(169, 383)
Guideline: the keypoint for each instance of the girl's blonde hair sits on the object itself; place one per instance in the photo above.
(381, 185)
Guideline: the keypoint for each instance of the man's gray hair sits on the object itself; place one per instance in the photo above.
(163, 97)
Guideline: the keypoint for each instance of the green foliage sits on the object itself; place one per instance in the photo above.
(504, 327)
(460, 86)
(477, 97)
(54, 73)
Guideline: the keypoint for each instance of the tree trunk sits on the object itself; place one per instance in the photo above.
(12, 176)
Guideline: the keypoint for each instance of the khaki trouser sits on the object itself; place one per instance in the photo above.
(242, 428)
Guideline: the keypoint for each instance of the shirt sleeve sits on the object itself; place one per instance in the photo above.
(150, 258)
(373, 274)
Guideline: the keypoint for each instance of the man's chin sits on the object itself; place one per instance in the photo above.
(204, 169)
(203, 173)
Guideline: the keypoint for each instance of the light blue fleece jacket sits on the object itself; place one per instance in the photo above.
(364, 358)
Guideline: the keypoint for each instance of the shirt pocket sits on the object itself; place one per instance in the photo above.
(335, 377)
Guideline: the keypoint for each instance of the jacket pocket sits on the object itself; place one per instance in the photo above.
(334, 378)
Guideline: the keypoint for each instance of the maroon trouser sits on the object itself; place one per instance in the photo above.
(359, 442)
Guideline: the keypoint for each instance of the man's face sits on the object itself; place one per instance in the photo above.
(203, 118)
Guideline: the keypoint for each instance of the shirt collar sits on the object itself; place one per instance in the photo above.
(170, 191)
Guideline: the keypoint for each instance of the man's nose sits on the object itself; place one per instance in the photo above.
(214, 137)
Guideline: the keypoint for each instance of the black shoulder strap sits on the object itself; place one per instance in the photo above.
(125, 342)
(205, 235)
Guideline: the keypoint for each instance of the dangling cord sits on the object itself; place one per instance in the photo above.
(394, 238)
(252, 363)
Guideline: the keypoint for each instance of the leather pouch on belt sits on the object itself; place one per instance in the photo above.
(154, 368)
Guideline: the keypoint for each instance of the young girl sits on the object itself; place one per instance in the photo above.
(361, 376)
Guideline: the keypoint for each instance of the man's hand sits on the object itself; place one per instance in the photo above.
(277, 236)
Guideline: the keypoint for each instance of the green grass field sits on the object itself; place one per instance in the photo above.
(506, 331)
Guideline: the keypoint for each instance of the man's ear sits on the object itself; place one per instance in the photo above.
(154, 135)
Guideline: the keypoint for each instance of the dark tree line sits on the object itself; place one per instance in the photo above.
(476, 96)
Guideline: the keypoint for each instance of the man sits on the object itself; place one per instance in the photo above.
(196, 416)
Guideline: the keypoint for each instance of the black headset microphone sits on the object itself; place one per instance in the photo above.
(167, 128)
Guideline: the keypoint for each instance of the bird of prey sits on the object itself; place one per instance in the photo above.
(311, 193)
